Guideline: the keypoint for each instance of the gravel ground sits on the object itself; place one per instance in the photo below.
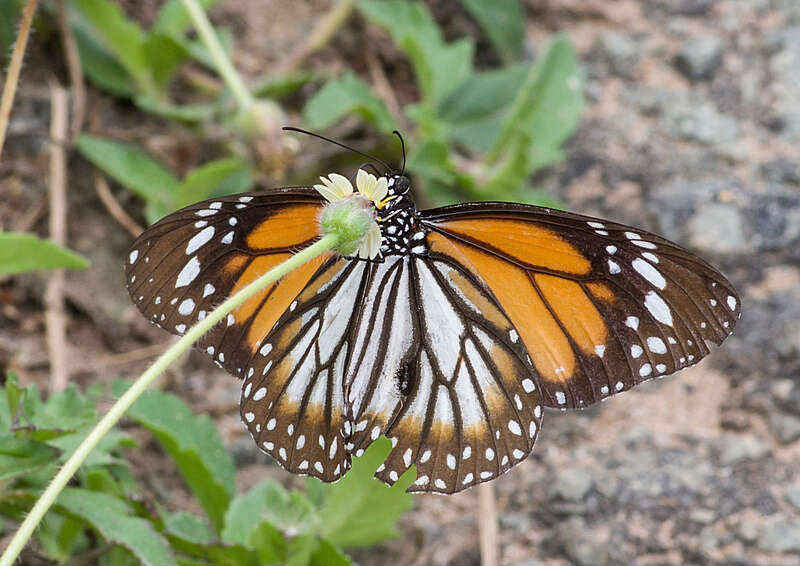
(692, 130)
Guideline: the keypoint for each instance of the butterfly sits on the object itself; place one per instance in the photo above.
(448, 331)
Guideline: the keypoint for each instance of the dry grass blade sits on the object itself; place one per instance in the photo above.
(14, 68)
(487, 524)
(54, 294)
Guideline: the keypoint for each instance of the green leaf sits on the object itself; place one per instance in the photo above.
(344, 96)
(362, 510)
(172, 18)
(203, 181)
(164, 54)
(101, 455)
(328, 555)
(111, 517)
(278, 86)
(188, 526)
(181, 112)
(289, 512)
(100, 66)
(20, 252)
(121, 36)
(547, 107)
(59, 536)
(13, 395)
(194, 444)
(439, 67)
(299, 550)
(473, 115)
(268, 542)
(134, 169)
(9, 16)
(503, 22)
(20, 456)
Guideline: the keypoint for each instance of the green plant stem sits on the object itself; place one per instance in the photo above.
(12, 77)
(63, 476)
(224, 66)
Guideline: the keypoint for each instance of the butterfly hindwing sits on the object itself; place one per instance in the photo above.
(447, 382)
(600, 306)
(293, 392)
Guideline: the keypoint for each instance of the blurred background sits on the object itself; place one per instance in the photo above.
(678, 116)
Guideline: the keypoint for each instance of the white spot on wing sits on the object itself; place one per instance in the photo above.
(188, 274)
(649, 272)
(658, 308)
(200, 239)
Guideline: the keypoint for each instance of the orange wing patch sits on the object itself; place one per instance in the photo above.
(285, 228)
(575, 310)
(279, 297)
(547, 344)
(524, 242)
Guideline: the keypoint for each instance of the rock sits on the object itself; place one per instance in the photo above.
(700, 121)
(773, 219)
(781, 535)
(621, 52)
(692, 8)
(700, 58)
(515, 521)
(717, 228)
(583, 544)
(573, 485)
(786, 428)
(785, 86)
(793, 495)
(781, 171)
(736, 448)
(528, 563)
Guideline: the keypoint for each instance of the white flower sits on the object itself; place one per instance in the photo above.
(370, 186)
(371, 192)
(335, 187)
(371, 244)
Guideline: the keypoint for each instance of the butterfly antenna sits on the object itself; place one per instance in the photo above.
(403, 149)
(347, 147)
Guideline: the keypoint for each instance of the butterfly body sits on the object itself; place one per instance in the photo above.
(449, 335)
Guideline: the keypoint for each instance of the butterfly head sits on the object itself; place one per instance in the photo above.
(394, 211)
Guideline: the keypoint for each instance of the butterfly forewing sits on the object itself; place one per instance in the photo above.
(183, 266)
(600, 306)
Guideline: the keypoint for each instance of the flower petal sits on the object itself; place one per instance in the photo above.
(371, 244)
(335, 187)
(381, 190)
(326, 192)
(371, 187)
(343, 186)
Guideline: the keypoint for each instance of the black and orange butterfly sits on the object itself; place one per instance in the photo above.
(450, 340)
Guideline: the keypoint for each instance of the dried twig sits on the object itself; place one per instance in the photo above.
(487, 524)
(54, 294)
(136, 355)
(321, 35)
(383, 87)
(14, 68)
(113, 207)
(73, 59)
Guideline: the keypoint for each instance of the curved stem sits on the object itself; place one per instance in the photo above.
(63, 476)
(12, 77)
(224, 66)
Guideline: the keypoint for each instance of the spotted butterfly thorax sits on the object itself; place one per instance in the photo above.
(448, 331)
